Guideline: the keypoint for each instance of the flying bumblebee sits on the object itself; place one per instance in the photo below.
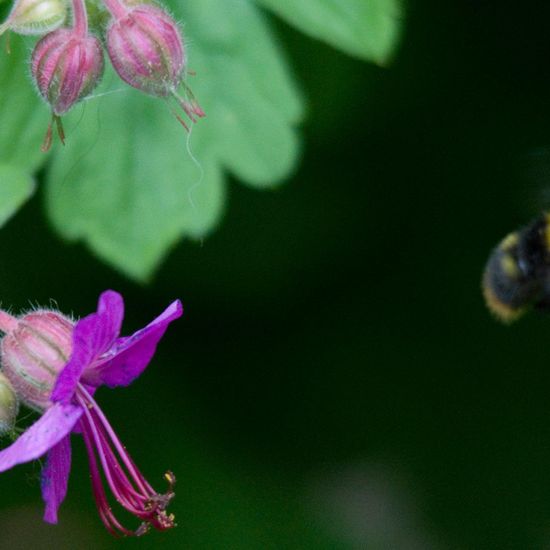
(517, 275)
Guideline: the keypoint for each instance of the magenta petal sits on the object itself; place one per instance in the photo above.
(93, 336)
(44, 434)
(55, 478)
(132, 354)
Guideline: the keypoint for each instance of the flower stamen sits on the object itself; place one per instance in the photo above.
(129, 487)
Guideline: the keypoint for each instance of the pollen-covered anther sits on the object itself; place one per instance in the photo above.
(166, 520)
(170, 478)
(158, 503)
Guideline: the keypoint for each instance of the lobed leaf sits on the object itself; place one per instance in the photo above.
(368, 29)
(129, 181)
(16, 186)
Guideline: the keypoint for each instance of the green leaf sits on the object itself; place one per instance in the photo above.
(16, 186)
(368, 29)
(23, 123)
(126, 184)
(129, 181)
(23, 117)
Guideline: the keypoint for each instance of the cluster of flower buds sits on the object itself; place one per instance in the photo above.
(143, 42)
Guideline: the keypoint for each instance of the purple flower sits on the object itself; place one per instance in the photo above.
(55, 367)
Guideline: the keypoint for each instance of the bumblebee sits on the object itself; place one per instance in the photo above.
(517, 275)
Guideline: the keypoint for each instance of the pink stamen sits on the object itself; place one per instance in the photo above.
(126, 482)
(105, 512)
(48, 138)
(189, 105)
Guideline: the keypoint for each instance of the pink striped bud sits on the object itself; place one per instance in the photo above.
(147, 52)
(66, 68)
(67, 65)
(34, 352)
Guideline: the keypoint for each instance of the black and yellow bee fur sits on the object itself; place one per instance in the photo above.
(517, 275)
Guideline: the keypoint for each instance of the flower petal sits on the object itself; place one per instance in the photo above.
(55, 478)
(94, 335)
(44, 434)
(132, 354)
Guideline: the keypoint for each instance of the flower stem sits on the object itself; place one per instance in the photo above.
(116, 8)
(80, 18)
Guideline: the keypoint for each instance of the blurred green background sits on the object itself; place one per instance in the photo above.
(336, 381)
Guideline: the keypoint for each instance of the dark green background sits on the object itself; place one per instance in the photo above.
(336, 381)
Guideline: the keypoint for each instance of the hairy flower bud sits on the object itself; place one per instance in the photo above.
(147, 51)
(33, 354)
(9, 405)
(35, 16)
(66, 66)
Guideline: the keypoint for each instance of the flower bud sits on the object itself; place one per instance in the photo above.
(33, 354)
(146, 49)
(9, 405)
(35, 16)
(66, 66)
(147, 52)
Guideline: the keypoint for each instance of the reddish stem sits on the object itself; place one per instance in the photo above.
(80, 18)
(116, 8)
(47, 143)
